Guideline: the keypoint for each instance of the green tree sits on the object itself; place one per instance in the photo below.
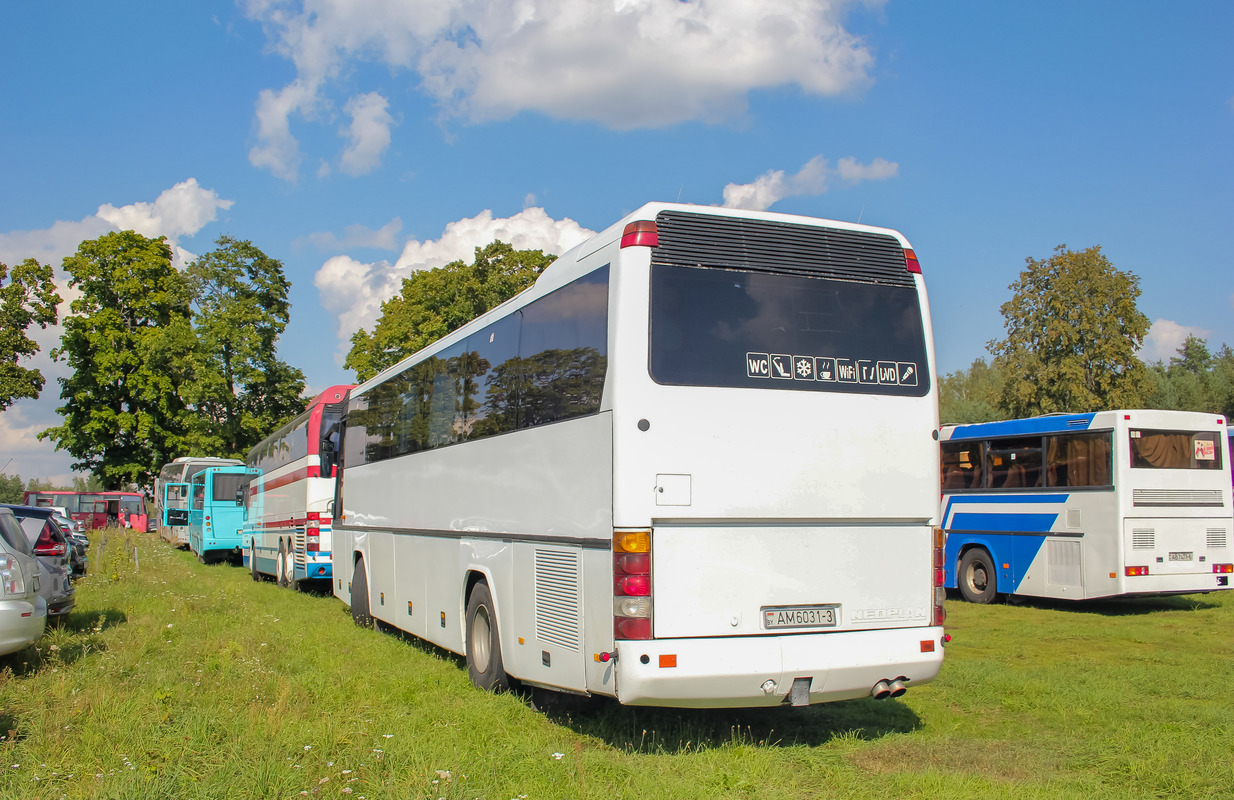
(971, 395)
(1073, 329)
(11, 489)
(129, 344)
(1195, 380)
(28, 298)
(90, 483)
(240, 391)
(435, 302)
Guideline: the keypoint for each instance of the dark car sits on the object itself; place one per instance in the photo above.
(51, 549)
(78, 544)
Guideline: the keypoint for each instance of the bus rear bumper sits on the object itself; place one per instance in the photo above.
(752, 671)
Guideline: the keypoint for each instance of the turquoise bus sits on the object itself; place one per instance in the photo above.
(217, 512)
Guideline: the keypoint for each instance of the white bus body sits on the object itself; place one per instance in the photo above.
(1080, 506)
(681, 515)
(171, 493)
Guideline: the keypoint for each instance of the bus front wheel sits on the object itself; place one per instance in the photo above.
(484, 664)
(978, 580)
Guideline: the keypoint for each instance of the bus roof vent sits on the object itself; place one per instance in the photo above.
(688, 239)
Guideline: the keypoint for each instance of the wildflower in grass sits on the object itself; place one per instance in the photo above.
(558, 756)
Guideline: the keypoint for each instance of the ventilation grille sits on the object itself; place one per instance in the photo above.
(1143, 538)
(1177, 497)
(557, 580)
(1063, 566)
(1217, 538)
(299, 546)
(703, 240)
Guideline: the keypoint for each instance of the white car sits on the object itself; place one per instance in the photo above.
(23, 612)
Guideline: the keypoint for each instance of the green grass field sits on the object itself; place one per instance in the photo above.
(177, 680)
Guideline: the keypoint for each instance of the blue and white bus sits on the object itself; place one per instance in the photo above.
(171, 494)
(1080, 506)
(216, 513)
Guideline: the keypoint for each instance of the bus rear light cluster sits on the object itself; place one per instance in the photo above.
(940, 575)
(1223, 568)
(640, 233)
(312, 532)
(910, 261)
(1131, 572)
(632, 584)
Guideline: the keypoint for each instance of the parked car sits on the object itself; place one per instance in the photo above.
(23, 611)
(51, 549)
(78, 542)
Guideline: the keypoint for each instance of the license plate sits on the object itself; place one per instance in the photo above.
(1182, 556)
(779, 617)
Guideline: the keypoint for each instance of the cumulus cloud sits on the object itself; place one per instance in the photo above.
(624, 64)
(812, 179)
(354, 290)
(1165, 337)
(179, 211)
(368, 135)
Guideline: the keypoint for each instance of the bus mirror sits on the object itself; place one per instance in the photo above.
(240, 497)
(330, 508)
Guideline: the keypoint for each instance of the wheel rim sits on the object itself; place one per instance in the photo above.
(480, 640)
(978, 578)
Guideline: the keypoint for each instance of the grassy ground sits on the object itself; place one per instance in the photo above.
(177, 680)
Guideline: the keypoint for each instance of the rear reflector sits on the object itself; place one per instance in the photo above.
(640, 233)
(910, 261)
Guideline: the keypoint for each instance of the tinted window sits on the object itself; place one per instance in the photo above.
(1079, 459)
(1014, 463)
(963, 465)
(225, 486)
(13, 534)
(725, 327)
(543, 363)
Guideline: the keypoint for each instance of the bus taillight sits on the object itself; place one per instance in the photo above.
(640, 233)
(1221, 568)
(312, 532)
(910, 261)
(631, 584)
(1131, 572)
(940, 576)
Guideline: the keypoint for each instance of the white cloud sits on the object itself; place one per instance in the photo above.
(20, 425)
(182, 210)
(384, 238)
(623, 64)
(1165, 337)
(353, 290)
(368, 135)
(773, 186)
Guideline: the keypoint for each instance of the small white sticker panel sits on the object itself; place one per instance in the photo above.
(836, 370)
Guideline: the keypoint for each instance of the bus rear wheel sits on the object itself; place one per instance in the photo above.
(977, 579)
(359, 597)
(253, 562)
(280, 566)
(484, 664)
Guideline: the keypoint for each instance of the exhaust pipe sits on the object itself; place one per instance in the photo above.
(882, 690)
(898, 688)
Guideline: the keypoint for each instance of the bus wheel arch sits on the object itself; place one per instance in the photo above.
(484, 662)
(976, 575)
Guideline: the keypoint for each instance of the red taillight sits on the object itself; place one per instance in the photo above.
(47, 546)
(910, 261)
(312, 532)
(940, 575)
(641, 233)
(631, 584)
(1131, 572)
(1223, 568)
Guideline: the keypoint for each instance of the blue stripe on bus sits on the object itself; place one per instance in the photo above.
(1024, 427)
(1006, 523)
(1000, 499)
(1013, 556)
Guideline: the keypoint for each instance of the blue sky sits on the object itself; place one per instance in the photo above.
(357, 140)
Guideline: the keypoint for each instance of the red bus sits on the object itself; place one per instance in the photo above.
(96, 509)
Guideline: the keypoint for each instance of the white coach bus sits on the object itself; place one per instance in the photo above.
(1081, 506)
(171, 494)
(694, 465)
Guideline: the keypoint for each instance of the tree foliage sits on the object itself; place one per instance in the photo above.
(1073, 329)
(27, 298)
(11, 489)
(971, 395)
(240, 390)
(435, 302)
(128, 342)
(1195, 379)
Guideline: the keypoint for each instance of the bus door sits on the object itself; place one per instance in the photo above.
(175, 514)
(95, 513)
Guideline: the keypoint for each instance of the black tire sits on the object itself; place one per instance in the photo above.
(280, 566)
(253, 562)
(201, 558)
(484, 664)
(359, 597)
(976, 577)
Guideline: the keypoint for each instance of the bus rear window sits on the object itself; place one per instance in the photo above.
(1175, 449)
(765, 330)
